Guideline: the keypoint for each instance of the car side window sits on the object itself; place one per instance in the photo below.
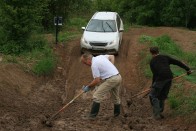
(118, 22)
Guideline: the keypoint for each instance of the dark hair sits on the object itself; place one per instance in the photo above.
(154, 50)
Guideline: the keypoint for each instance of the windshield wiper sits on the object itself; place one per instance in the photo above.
(109, 26)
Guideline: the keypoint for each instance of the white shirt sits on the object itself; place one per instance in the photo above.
(102, 67)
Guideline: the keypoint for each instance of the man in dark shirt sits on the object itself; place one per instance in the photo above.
(162, 79)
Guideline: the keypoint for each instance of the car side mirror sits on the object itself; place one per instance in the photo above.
(121, 30)
(83, 28)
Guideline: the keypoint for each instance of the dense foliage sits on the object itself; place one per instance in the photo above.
(154, 12)
(20, 18)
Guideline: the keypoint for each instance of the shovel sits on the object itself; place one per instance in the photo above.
(48, 122)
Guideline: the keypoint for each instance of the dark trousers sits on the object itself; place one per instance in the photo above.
(158, 94)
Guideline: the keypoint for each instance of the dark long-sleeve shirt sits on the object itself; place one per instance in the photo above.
(160, 67)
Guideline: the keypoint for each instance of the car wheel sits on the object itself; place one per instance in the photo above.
(81, 52)
(116, 54)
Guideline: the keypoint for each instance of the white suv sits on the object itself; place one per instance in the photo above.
(103, 34)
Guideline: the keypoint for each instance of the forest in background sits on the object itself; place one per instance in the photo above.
(21, 19)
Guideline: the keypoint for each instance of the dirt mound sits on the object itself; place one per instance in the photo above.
(26, 100)
(13, 77)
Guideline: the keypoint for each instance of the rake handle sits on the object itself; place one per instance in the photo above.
(54, 115)
(140, 93)
(148, 90)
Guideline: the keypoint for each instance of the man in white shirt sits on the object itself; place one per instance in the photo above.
(103, 69)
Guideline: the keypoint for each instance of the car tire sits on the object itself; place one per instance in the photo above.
(81, 52)
(116, 54)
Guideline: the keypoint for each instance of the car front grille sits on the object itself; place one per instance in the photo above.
(97, 44)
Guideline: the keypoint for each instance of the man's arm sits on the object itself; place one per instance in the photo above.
(178, 63)
(94, 82)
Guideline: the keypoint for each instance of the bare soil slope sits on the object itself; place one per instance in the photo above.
(25, 101)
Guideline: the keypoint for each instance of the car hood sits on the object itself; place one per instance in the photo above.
(100, 36)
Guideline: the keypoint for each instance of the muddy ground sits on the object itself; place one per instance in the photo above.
(26, 100)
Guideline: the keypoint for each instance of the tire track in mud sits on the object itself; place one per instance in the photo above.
(75, 72)
(128, 65)
(121, 63)
(66, 66)
(124, 48)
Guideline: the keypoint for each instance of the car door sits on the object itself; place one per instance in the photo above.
(120, 27)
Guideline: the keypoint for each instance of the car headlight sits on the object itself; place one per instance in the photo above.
(84, 40)
(113, 42)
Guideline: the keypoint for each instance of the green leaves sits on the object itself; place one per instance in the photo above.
(153, 12)
(19, 18)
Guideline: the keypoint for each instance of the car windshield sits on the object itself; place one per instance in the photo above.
(101, 26)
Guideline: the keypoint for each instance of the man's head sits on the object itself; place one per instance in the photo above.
(154, 50)
(86, 58)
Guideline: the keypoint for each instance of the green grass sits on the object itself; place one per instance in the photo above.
(77, 23)
(10, 59)
(66, 36)
(44, 67)
(41, 62)
(181, 101)
(176, 97)
(72, 30)
(44, 61)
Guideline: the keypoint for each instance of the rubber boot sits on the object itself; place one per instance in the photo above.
(162, 105)
(94, 111)
(116, 110)
(150, 98)
(156, 109)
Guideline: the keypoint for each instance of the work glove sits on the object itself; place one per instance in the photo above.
(189, 72)
(85, 89)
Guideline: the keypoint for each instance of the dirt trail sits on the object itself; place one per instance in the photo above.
(26, 100)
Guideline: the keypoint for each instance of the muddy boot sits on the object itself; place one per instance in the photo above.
(156, 109)
(162, 103)
(150, 98)
(94, 111)
(116, 110)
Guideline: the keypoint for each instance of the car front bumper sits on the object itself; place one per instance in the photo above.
(109, 49)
